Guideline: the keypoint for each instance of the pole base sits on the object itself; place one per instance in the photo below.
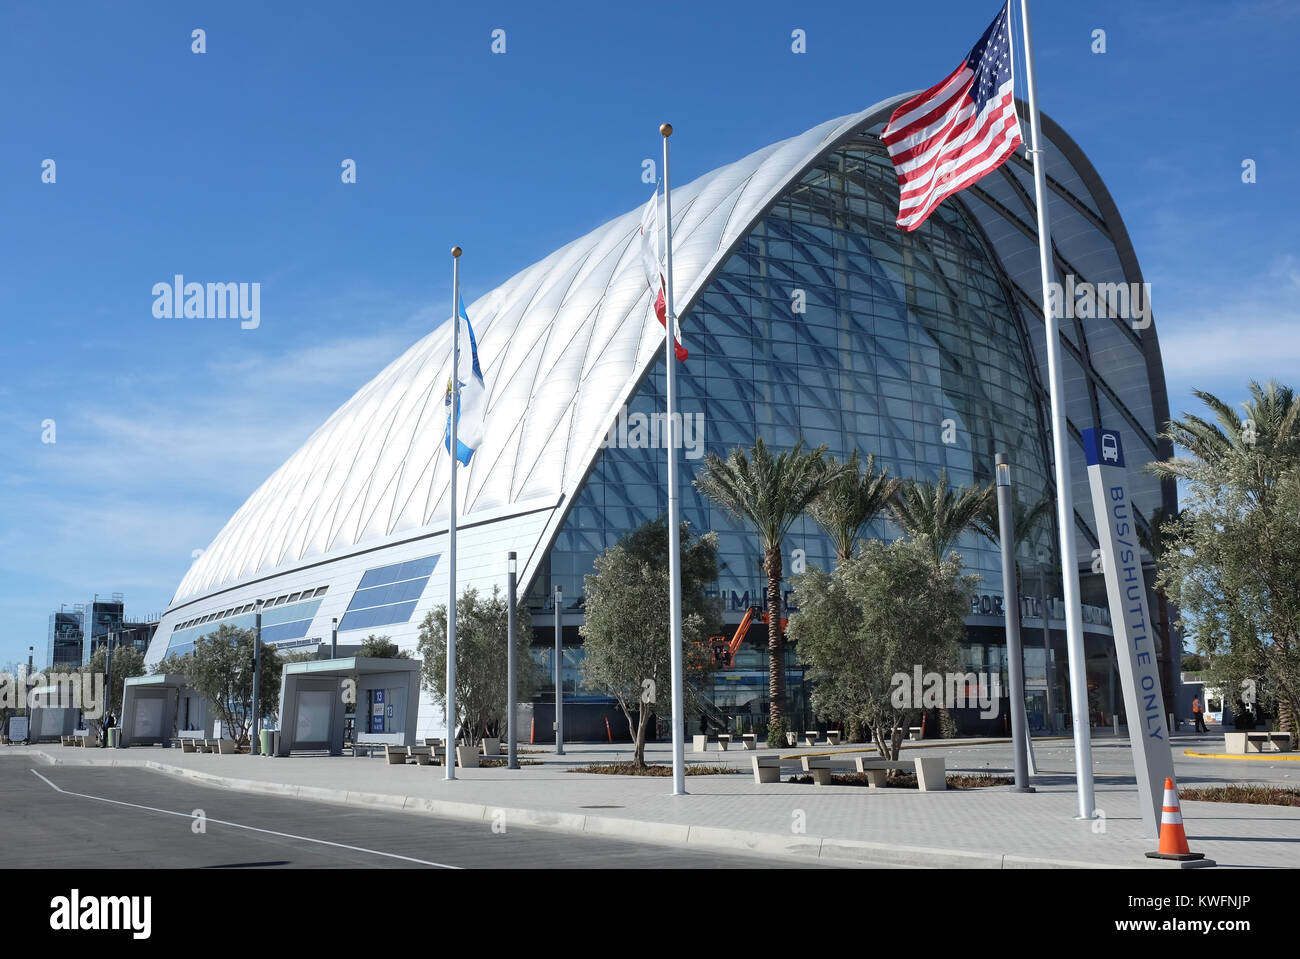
(1178, 856)
(1021, 789)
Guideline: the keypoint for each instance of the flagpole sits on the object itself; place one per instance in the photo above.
(674, 531)
(449, 761)
(1061, 452)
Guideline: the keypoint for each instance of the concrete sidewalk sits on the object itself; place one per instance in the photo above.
(983, 828)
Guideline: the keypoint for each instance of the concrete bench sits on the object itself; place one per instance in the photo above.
(397, 755)
(833, 737)
(931, 774)
(1240, 743)
(225, 747)
(699, 744)
(189, 746)
(421, 755)
(467, 757)
(767, 769)
(490, 746)
(79, 739)
(724, 740)
(910, 732)
(823, 767)
(791, 739)
(810, 738)
(749, 741)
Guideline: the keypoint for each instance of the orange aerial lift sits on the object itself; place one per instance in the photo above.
(724, 650)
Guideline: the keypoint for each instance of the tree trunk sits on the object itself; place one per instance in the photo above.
(1169, 664)
(1286, 716)
(775, 660)
(642, 723)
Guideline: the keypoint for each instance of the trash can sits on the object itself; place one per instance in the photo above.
(112, 738)
(268, 741)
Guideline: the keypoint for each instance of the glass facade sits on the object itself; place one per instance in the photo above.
(284, 618)
(830, 325)
(65, 647)
(388, 594)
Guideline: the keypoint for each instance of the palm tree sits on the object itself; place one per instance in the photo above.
(938, 514)
(1257, 455)
(1266, 443)
(1024, 523)
(851, 501)
(768, 493)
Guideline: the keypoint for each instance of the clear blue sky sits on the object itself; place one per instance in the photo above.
(225, 167)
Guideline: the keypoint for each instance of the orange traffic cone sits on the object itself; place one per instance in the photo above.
(1173, 841)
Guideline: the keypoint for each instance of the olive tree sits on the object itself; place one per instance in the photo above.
(221, 668)
(482, 631)
(888, 610)
(626, 630)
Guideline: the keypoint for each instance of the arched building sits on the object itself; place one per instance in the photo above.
(925, 348)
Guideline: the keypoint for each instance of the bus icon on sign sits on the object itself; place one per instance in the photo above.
(1110, 447)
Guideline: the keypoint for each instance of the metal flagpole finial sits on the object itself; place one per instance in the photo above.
(455, 251)
(666, 129)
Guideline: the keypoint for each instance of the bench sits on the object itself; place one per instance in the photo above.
(491, 746)
(749, 741)
(767, 769)
(422, 755)
(912, 732)
(396, 754)
(931, 774)
(823, 767)
(724, 740)
(810, 738)
(225, 747)
(833, 737)
(467, 757)
(189, 746)
(699, 743)
(1263, 742)
(791, 739)
(79, 739)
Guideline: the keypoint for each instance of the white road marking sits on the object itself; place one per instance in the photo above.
(236, 825)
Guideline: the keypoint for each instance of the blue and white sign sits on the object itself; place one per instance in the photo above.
(1135, 640)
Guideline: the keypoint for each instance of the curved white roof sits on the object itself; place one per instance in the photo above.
(562, 345)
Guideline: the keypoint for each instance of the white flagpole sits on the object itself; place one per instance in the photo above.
(1061, 451)
(674, 532)
(449, 761)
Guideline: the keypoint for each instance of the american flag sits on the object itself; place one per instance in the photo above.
(946, 138)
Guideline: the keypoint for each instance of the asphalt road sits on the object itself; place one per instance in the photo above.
(142, 819)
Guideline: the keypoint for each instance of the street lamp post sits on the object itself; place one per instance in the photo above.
(257, 680)
(559, 670)
(1011, 610)
(512, 732)
(334, 638)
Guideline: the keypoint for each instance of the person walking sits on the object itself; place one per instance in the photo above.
(1198, 715)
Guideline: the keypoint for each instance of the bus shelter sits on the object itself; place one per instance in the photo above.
(315, 694)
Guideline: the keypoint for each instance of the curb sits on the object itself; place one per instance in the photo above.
(1267, 757)
(839, 851)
